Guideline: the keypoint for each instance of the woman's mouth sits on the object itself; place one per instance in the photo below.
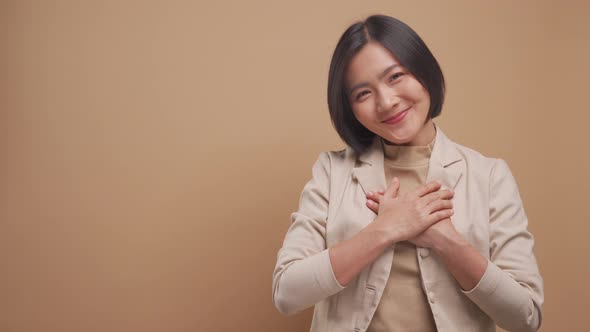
(397, 118)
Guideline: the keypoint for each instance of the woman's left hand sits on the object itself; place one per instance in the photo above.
(464, 262)
(432, 237)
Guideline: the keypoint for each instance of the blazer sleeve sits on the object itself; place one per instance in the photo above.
(511, 289)
(303, 273)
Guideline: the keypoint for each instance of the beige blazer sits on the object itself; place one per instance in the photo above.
(488, 213)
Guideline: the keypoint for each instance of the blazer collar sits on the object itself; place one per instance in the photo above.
(445, 164)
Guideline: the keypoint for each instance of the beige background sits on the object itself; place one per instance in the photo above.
(152, 152)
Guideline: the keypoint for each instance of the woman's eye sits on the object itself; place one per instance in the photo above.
(395, 76)
(361, 94)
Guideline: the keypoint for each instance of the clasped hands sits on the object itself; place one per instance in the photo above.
(421, 217)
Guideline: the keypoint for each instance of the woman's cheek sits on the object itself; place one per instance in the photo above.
(366, 111)
(360, 113)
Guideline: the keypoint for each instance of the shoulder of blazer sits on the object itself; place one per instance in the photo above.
(341, 159)
(475, 162)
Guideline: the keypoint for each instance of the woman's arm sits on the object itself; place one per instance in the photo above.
(511, 289)
(508, 286)
(303, 274)
(307, 272)
(462, 260)
(399, 219)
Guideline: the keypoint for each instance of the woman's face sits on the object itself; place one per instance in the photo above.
(387, 99)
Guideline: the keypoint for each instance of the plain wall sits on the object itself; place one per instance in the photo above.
(152, 152)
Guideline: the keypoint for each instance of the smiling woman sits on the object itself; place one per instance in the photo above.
(444, 246)
(391, 103)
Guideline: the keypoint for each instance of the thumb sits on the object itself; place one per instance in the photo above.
(393, 189)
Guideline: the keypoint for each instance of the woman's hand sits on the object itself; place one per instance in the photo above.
(408, 216)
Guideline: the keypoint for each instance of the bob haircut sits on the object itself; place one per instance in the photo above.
(406, 46)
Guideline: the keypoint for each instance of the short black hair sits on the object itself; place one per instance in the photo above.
(408, 48)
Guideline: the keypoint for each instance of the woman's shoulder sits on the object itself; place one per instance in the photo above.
(335, 162)
(340, 156)
(478, 162)
(472, 155)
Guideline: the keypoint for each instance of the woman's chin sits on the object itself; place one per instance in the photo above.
(400, 138)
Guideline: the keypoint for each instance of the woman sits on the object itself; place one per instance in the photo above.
(444, 246)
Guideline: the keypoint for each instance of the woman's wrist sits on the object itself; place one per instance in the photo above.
(463, 260)
(448, 243)
(383, 236)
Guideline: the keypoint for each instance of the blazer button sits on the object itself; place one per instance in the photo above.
(431, 297)
(424, 252)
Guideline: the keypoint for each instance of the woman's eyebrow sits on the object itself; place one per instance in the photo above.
(383, 73)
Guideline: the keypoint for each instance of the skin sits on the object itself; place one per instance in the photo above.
(379, 87)
(383, 96)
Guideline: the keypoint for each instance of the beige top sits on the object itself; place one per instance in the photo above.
(404, 305)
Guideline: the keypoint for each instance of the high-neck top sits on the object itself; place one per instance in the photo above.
(403, 305)
(407, 155)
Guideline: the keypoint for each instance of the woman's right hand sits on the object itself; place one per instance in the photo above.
(403, 217)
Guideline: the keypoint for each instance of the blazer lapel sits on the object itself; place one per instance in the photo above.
(446, 163)
(369, 171)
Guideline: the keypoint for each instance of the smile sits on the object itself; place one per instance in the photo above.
(397, 118)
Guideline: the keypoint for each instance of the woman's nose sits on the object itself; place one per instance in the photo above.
(387, 100)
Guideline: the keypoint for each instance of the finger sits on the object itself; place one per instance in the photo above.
(396, 191)
(373, 206)
(440, 194)
(393, 189)
(426, 189)
(438, 205)
(439, 216)
(374, 197)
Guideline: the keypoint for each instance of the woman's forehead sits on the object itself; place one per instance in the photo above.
(372, 62)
